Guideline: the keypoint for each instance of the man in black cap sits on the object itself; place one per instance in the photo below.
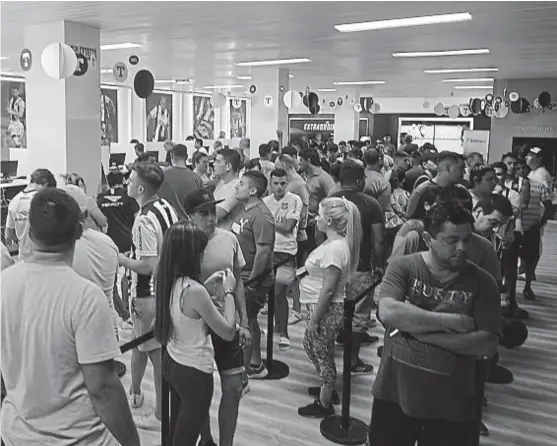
(223, 251)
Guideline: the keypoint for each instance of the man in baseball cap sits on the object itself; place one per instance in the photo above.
(223, 252)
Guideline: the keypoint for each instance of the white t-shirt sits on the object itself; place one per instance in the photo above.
(330, 253)
(18, 220)
(227, 192)
(289, 207)
(53, 321)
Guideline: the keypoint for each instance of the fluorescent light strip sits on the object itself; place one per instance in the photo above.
(12, 78)
(4, 57)
(461, 70)
(106, 71)
(326, 89)
(474, 87)
(164, 81)
(264, 63)
(120, 46)
(404, 22)
(477, 79)
(290, 76)
(243, 78)
(216, 87)
(359, 83)
(442, 53)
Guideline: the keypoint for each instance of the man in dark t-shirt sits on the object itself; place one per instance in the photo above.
(179, 180)
(441, 312)
(372, 258)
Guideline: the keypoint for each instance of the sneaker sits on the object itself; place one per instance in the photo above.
(135, 399)
(284, 343)
(257, 371)
(316, 410)
(316, 393)
(148, 422)
(295, 317)
(529, 294)
(367, 339)
(361, 368)
(245, 385)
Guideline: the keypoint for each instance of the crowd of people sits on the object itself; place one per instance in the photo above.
(188, 250)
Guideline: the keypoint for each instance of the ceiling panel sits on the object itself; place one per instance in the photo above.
(203, 40)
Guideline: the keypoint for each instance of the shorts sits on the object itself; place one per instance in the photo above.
(229, 356)
(143, 312)
(256, 299)
(286, 273)
(359, 282)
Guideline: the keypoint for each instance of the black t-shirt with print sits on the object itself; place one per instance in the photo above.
(119, 209)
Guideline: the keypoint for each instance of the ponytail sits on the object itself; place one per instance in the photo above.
(353, 235)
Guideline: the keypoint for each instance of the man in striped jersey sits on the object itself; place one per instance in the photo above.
(156, 215)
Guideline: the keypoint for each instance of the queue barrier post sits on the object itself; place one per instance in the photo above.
(344, 429)
(482, 368)
(276, 369)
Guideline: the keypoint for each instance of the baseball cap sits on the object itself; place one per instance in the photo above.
(200, 199)
(535, 150)
(77, 194)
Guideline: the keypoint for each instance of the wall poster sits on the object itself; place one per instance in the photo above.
(238, 118)
(158, 108)
(203, 118)
(13, 122)
(109, 115)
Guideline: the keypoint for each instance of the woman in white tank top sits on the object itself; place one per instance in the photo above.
(185, 315)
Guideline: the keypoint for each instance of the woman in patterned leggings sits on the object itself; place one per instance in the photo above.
(328, 268)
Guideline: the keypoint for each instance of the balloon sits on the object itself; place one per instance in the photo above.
(313, 99)
(59, 60)
(426, 104)
(143, 83)
(454, 111)
(439, 109)
(375, 108)
(514, 96)
(475, 106)
(292, 99)
(218, 100)
(544, 99)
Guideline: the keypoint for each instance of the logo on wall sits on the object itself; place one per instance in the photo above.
(134, 60)
(26, 59)
(120, 71)
(268, 101)
(82, 65)
(89, 53)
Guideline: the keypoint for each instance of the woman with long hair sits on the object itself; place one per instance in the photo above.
(328, 269)
(185, 314)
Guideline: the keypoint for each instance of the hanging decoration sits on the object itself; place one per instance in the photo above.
(133, 60)
(357, 108)
(292, 99)
(144, 83)
(120, 71)
(340, 102)
(332, 104)
(218, 100)
(454, 111)
(375, 108)
(268, 101)
(252, 89)
(313, 103)
(426, 104)
(26, 59)
(59, 60)
(544, 99)
(439, 109)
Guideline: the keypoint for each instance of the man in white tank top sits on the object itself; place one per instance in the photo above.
(223, 251)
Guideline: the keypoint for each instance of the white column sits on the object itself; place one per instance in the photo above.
(346, 118)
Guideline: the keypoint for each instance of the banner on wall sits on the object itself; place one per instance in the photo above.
(306, 129)
(158, 108)
(13, 122)
(109, 116)
(203, 118)
(238, 118)
(476, 141)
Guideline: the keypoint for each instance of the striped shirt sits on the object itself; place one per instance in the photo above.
(532, 215)
(154, 218)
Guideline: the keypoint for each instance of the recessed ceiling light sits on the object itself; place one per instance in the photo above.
(215, 87)
(120, 46)
(474, 87)
(264, 63)
(442, 53)
(477, 79)
(461, 70)
(404, 22)
(359, 83)
(243, 78)
(326, 89)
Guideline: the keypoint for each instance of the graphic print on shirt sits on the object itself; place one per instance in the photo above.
(439, 300)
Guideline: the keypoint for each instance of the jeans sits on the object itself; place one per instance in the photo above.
(195, 391)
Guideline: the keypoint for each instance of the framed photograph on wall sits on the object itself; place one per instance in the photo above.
(443, 133)
(109, 115)
(158, 108)
(13, 122)
(238, 118)
(203, 118)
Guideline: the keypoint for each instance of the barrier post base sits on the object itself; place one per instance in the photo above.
(279, 370)
(331, 428)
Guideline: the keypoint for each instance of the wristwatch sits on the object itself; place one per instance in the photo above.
(229, 292)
